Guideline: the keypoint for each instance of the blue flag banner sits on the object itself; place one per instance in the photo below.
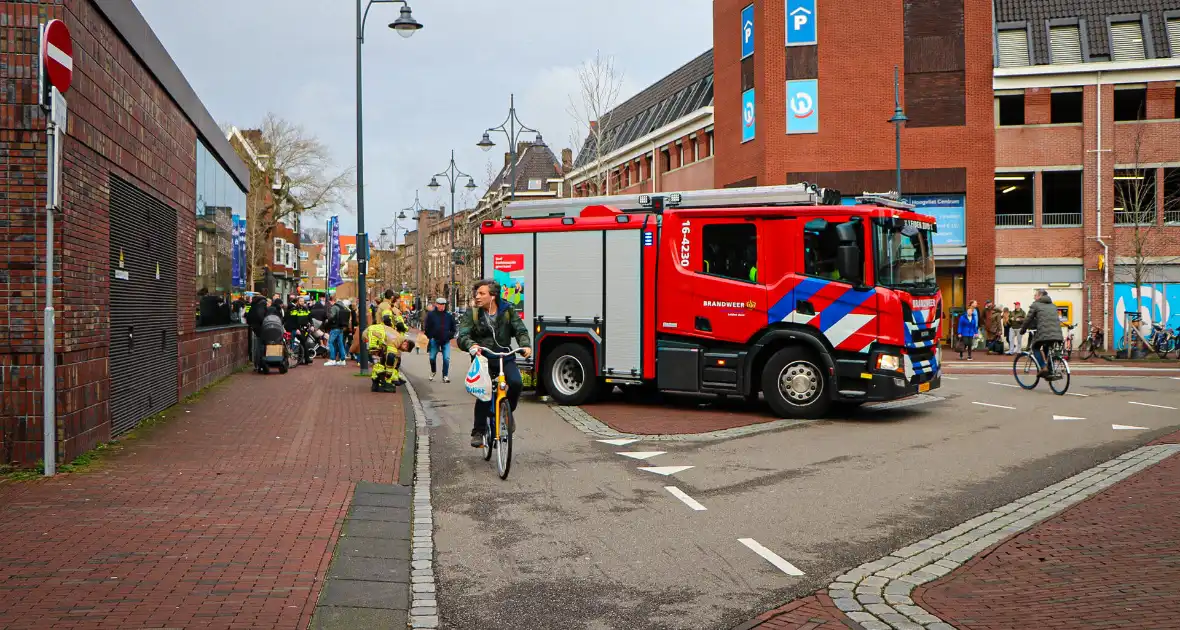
(243, 259)
(235, 262)
(333, 254)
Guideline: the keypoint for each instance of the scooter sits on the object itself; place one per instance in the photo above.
(276, 348)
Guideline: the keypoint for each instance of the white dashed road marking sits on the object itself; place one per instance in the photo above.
(665, 470)
(642, 454)
(619, 442)
(1125, 427)
(687, 500)
(770, 556)
(1003, 384)
(1079, 395)
(991, 405)
(1056, 417)
(1156, 406)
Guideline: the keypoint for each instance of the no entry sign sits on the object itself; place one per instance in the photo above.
(57, 52)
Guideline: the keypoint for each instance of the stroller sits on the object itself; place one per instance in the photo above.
(276, 347)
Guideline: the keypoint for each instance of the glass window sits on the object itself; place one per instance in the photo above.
(820, 246)
(905, 254)
(730, 251)
(219, 204)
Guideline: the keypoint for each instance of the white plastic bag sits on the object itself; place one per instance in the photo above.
(479, 383)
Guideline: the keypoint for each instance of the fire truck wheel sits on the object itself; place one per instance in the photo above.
(794, 385)
(569, 374)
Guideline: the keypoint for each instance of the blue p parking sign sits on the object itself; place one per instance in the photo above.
(800, 22)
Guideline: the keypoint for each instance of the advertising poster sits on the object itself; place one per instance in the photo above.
(748, 119)
(508, 270)
(803, 106)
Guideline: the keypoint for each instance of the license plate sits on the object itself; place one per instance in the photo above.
(274, 351)
(924, 387)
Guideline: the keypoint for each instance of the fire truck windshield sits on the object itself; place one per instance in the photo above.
(904, 255)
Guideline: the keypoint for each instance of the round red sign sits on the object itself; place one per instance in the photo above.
(57, 51)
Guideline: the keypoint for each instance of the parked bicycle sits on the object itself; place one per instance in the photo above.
(1091, 344)
(1027, 368)
(1164, 340)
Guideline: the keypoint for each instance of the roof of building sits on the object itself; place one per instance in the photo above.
(130, 24)
(685, 90)
(534, 161)
(1095, 13)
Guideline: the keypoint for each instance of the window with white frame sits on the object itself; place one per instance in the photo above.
(1013, 45)
(1065, 44)
(534, 184)
(1173, 28)
(1126, 41)
(278, 254)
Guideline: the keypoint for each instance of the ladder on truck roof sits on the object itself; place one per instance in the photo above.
(803, 194)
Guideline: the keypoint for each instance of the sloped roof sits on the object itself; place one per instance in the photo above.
(685, 90)
(533, 161)
(1038, 12)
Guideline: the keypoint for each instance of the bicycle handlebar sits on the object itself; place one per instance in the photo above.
(483, 350)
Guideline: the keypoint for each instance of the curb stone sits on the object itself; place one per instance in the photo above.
(424, 596)
(877, 594)
(583, 421)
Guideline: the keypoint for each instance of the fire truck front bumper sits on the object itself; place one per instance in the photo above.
(880, 387)
(894, 376)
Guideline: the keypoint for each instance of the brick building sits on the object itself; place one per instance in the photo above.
(661, 139)
(1087, 159)
(142, 158)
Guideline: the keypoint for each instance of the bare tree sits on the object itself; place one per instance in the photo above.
(1135, 200)
(294, 175)
(599, 85)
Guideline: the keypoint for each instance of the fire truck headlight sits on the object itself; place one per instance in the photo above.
(889, 362)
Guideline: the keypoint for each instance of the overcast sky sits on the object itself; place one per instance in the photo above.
(425, 95)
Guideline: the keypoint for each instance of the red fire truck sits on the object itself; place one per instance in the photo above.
(778, 290)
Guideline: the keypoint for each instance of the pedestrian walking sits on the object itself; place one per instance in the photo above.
(440, 329)
(336, 324)
(968, 329)
(1016, 322)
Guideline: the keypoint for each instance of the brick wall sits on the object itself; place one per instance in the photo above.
(856, 96)
(110, 131)
(201, 364)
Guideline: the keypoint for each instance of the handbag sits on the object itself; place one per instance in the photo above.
(478, 381)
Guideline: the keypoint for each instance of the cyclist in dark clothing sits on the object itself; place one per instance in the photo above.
(1042, 316)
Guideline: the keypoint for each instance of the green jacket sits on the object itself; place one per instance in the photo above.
(507, 324)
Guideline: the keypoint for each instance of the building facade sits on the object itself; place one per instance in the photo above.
(661, 139)
(272, 238)
(1087, 181)
(143, 161)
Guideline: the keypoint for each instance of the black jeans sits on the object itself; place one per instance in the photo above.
(485, 410)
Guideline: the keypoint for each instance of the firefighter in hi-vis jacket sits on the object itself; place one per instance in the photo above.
(386, 343)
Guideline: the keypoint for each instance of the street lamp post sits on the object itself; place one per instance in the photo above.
(405, 25)
(509, 128)
(452, 175)
(898, 119)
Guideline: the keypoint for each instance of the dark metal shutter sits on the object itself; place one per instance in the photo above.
(143, 346)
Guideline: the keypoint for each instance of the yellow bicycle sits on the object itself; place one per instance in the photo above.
(497, 435)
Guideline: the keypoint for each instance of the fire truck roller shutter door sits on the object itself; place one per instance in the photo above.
(569, 272)
(624, 303)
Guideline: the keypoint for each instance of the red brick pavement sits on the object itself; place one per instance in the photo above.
(814, 612)
(1112, 561)
(223, 517)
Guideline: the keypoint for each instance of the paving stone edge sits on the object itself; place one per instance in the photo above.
(877, 594)
(424, 594)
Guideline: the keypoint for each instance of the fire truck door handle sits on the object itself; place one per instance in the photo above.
(702, 324)
(804, 307)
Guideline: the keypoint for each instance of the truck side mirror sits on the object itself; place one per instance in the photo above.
(848, 264)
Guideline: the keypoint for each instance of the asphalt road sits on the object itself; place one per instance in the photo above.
(580, 537)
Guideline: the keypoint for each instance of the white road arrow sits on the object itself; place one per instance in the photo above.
(1056, 417)
(642, 454)
(665, 470)
(620, 442)
(1125, 427)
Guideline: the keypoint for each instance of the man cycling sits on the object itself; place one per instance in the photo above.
(493, 324)
(1042, 317)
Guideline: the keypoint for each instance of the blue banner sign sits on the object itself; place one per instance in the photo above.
(748, 115)
(949, 212)
(235, 262)
(800, 22)
(803, 106)
(333, 253)
(747, 31)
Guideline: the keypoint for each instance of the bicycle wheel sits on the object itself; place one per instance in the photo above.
(296, 353)
(487, 440)
(1024, 368)
(1085, 351)
(504, 446)
(1060, 371)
